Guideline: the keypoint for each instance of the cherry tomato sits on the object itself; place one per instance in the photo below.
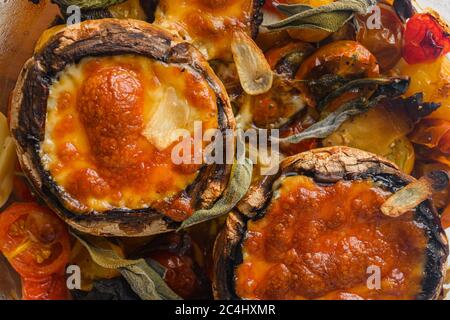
(342, 60)
(34, 240)
(384, 40)
(425, 39)
(276, 107)
(49, 288)
(433, 133)
(295, 127)
(446, 218)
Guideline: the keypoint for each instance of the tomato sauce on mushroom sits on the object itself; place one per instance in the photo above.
(325, 241)
(97, 136)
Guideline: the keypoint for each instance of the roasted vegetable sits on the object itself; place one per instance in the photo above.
(7, 161)
(36, 243)
(426, 38)
(132, 187)
(384, 41)
(209, 25)
(432, 79)
(176, 253)
(315, 231)
(254, 71)
(313, 21)
(100, 9)
(332, 66)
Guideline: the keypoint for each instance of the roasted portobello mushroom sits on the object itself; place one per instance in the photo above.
(95, 115)
(315, 231)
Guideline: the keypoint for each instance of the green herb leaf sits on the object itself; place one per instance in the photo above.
(145, 280)
(388, 88)
(330, 17)
(88, 4)
(398, 84)
(240, 179)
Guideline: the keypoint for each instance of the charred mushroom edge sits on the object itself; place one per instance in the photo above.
(327, 165)
(98, 38)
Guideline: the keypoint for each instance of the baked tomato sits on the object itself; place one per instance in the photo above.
(34, 240)
(49, 288)
(332, 66)
(426, 39)
(385, 40)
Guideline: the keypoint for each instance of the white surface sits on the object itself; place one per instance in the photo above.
(441, 6)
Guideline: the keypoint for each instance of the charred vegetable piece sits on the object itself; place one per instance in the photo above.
(385, 40)
(334, 65)
(315, 230)
(7, 161)
(144, 277)
(175, 252)
(209, 25)
(109, 289)
(49, 288)
(426, 39)
(100, 9)
(99, 147)
(285, 60)
(432, 79)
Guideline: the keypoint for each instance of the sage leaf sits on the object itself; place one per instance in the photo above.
(330, 17)
(88, 4)
(331, 123)
(145, 280)
(240, 179)
(396, 84)
(291, 9)
(387, 88)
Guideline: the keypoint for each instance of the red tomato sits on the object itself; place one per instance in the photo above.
(425, 39)
(446, 217)
(34, 240)
(433, 133)
(384, 42)
(48, 288)
(181, 274)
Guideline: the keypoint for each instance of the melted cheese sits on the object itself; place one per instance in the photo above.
(207, 24)
(110, 126)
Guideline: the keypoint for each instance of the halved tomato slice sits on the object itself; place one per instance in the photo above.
(34, 240)
(48, 288)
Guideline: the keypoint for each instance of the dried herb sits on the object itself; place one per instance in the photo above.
(254, 71)
(107, 289)
(329, 17)
(238, 186)
(389, 88)
(88, 4)
(146, 280)
(393, 85)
